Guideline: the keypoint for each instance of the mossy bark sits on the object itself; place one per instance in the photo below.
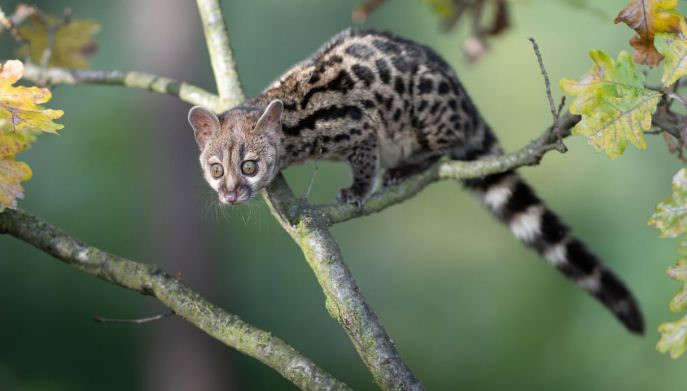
(150, 280)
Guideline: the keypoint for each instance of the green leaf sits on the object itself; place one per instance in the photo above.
(673, 338)
(614, 105)
(670, 216)
(673, 47)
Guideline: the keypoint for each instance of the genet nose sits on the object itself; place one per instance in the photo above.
(229, 196)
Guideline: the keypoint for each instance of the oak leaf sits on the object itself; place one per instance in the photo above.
(72, 41)
(674, 49)
(12, 172)
(19, 105)
(673, 338)
(614, 105)
(679, 271)
(670, 216)
(21, 118)
(647, 18)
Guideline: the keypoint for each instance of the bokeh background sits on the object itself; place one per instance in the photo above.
(468, 307)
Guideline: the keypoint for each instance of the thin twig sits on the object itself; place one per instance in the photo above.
(549, 96)
(312, 181)
(547, 82)
(100, 319)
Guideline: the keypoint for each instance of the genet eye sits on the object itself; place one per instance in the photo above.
(216, 170)
(249, 167)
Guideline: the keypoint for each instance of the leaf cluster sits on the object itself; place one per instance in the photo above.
(21, 118)
(46, 40)
(616, 109)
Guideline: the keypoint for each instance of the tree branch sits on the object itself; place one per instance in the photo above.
(184, 91)
(184, 302)
(221, 57)
(343, 298)
(344, 301)
(530, 154)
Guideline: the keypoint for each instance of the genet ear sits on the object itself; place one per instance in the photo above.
(270, 121)
(204, 122)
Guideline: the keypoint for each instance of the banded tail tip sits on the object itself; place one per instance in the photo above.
(631, 317)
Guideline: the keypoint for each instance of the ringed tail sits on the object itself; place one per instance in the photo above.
(515, 204)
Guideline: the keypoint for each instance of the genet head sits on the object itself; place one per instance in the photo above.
(239, 152)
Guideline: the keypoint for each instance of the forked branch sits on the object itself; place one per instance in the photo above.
(184, 302)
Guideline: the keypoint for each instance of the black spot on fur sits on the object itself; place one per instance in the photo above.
(360, 51)
(426, 86)
(383, 70)
(290, 106)
(397, 115)
(341, 83)
(434, 108)
(364, 73)
(315, 77)
(443, 88)
(387, 102)
(400, 64)
(387, 47)
(399, 86)
(341, 137)
(422, 106)
(328, 113)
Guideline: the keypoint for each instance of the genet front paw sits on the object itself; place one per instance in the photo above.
(350, 196)
(393, 176)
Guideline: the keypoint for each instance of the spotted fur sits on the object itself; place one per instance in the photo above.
(386, 104)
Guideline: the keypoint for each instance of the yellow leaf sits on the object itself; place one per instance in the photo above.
(614, 105)
(21, 118)
(673, 338)
(12, 173)
(674, 49)
(19, 105)
(11, 144)
(73, 41)
(647, 18)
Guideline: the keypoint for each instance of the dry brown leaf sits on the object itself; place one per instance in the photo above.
(648, 17)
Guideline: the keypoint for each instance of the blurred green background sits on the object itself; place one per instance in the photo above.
(467, 306)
